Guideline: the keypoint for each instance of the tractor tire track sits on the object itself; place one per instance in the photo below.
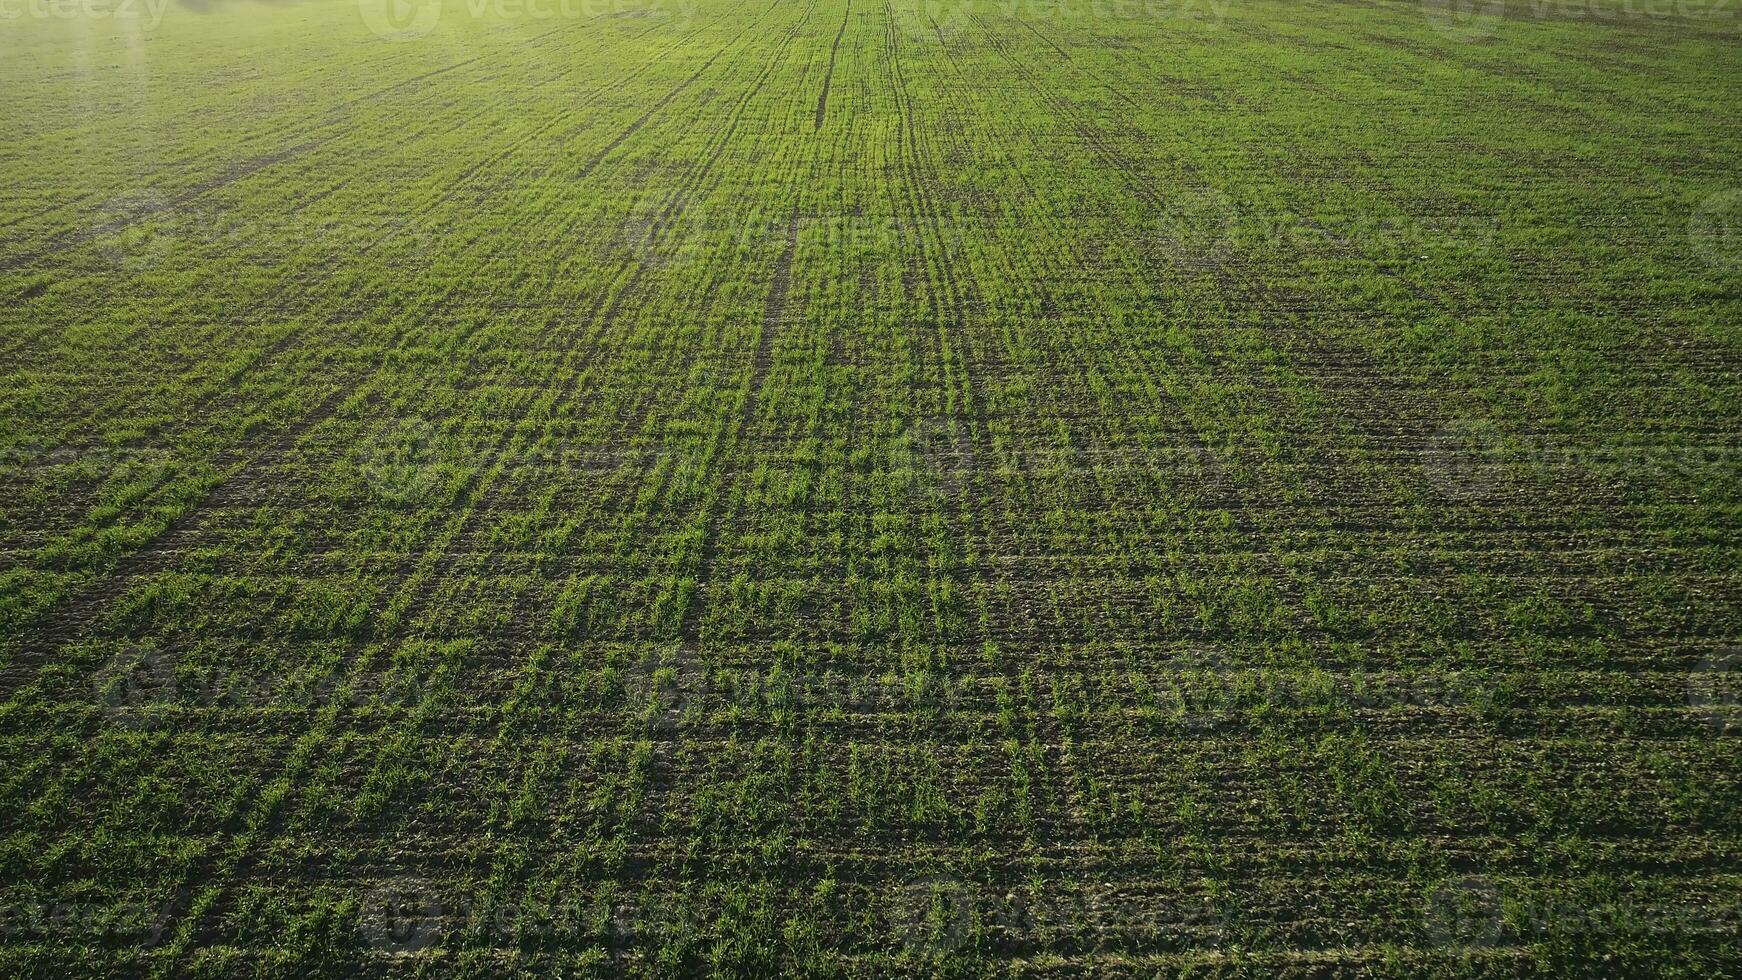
(829, 75)
(762, 361)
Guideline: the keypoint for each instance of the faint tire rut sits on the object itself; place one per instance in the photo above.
(829, 75)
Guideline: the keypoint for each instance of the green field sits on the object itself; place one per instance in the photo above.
(696, 487)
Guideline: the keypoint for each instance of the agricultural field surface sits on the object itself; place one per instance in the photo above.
(864, 488)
